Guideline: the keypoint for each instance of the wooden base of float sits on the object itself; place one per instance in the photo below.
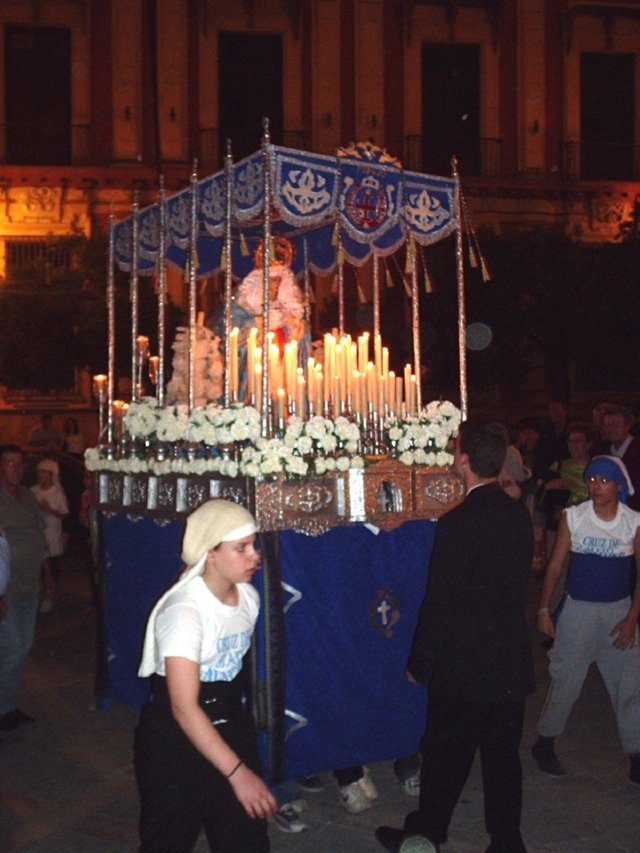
(385, 494)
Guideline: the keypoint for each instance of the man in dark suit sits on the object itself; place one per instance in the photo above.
(472, 645)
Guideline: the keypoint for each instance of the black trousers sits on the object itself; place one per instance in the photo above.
(181, 793)
(455, 730)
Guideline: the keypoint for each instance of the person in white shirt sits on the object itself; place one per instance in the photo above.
(195, 755)
(598, 619)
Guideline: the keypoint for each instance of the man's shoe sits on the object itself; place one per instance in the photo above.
(369, 789)
(353, 798)
(417, 844)
(287, 819)
(313, 784)
(507, 845)
(411, 785)
(23, 718)
(634, 770)
(9, 722)
(546, 758)
(390, 838)
(395, 841)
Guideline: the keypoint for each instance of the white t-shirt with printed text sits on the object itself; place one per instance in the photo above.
(194, 624)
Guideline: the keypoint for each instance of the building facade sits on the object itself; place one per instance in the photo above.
(538, 99)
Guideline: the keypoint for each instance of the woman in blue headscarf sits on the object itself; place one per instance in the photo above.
(598, 621)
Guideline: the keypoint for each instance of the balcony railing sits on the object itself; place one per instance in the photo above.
(212, 146)
(601, 161)
(485, 163)
(52, 146)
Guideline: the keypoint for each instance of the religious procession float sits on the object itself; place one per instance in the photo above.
(344, 465)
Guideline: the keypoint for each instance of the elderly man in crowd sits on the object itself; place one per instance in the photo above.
(617, 423)
(22, 525)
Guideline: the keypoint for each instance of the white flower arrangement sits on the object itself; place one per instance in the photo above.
(308, 447)
(425, 439)
(315, 446)
(211, 424)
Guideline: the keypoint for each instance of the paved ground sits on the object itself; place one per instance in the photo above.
(66, 782)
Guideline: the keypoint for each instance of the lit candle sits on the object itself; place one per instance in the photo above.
(288, 370)
(371, 384)
(99, 385)
(319, 386)
(329, 356)
(257, 385)
(154, 361)
(337, 400)
(311, 377)
(385, 362)
(412, 395)
(118, 409)
(301, 394)
(326, 353)
(142, 346)
(233, 364)
(399, 389)
(407, 385)
(355, 392)
(294, 366)
(377, 353)
(274, 368)
(252, 343)
(391, 391)
(280, 400)
(352, 363)
(363, 352)
(381, 395)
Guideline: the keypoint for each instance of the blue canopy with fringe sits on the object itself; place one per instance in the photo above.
(362, 193)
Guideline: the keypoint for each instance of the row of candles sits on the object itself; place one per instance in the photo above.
(347, 381)
(119, 407)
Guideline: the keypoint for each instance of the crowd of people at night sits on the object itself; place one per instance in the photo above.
(551, 505)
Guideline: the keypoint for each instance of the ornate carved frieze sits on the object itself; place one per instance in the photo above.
(385, 494)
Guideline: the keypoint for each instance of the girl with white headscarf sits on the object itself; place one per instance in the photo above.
(54, 508)
(196, 758)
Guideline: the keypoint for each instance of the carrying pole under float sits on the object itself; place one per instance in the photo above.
(462, 314)
(133, 296)
(266, 260)
(192, 267)
(111, 330)
(415, 320)
(162, 294)
(228, 272)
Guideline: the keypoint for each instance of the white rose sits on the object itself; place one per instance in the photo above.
(420, 457)
(250, 469)
(328, 443)
(444, 458)
(304, 444)
(92, 459)
(296, 465)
